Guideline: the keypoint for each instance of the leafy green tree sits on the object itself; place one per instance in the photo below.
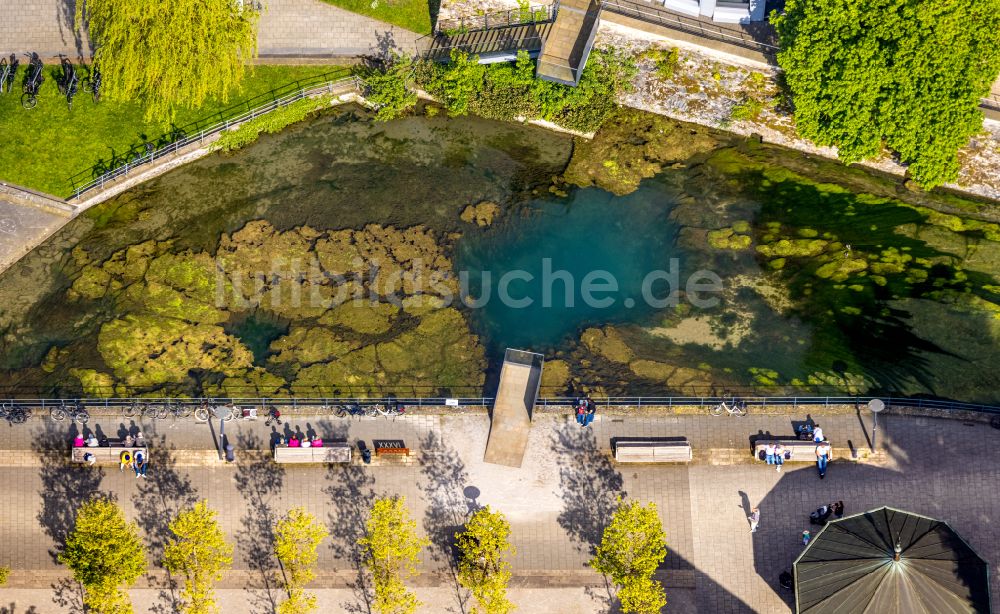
(483, 567)
(296, 539)
(170, 54)
(631, 549)
(390, 548)
(903, 74)
(389, 87)
(104, 552)
(459, 82)
(198, 551)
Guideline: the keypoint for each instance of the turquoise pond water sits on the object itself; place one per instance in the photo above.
(911, 307)
(615, 240)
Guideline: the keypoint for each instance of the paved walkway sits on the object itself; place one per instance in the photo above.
(22, 227)
(299, 28)
(557, 503)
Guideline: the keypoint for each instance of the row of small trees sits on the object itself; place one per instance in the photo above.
(106, 555)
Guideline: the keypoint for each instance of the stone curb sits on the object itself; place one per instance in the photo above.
(240, 578)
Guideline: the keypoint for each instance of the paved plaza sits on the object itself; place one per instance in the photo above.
(299, 28)
(557, 502)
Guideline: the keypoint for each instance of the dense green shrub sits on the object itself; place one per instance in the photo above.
(272, 122)
(508, 91)
(389, 88)
(457, 83)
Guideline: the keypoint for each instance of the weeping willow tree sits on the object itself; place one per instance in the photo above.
(172, 54)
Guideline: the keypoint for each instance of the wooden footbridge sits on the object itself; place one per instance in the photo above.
(520, 378)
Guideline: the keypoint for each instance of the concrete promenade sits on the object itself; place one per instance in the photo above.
(557, 502)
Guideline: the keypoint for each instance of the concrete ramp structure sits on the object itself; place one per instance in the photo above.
(520, 378)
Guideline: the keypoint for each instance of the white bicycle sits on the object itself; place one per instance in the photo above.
(736, 408)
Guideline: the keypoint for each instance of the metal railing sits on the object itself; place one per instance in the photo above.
(531, 44)
(652, 14)
(501, 19)
(638, 402)
(198, 131)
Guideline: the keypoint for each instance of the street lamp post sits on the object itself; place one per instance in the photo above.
(875, 406)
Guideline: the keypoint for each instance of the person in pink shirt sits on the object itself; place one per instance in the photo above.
(294, 442)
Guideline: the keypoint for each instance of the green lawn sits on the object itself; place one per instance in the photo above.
(43, 147)
(414, 15)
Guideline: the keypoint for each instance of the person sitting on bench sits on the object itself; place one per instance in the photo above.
(294, 442)
(92, 441)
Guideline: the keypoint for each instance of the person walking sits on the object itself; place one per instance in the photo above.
(823, 454)
(754, 519)
(806, 537)
(581, 412)
(779, 456)
(769, 453)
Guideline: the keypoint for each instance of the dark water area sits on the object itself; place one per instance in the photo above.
(556, 250)
(830, 280)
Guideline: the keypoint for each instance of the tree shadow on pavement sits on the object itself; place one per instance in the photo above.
(589, 485)
(258, 480)
(351, 489)
(162, 494)
(447, 507)
(65, 487)
(590, 488)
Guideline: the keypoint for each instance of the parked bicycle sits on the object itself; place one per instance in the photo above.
(735, 408)
(92, 84)
(67, 81)
(33, 79)
(75, 411)
(273, 416)
(391, 411)
(355, 409)
(14, 414)
(8, 72)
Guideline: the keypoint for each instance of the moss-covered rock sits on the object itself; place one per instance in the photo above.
(95, 383)
(362, 317)
(555, 376)
(481, 215)
(840, 269)
(608, 343)
(253, 382)
(726, 238)
(148, 350)
(793, 248)
(632, 146)
(305, 345)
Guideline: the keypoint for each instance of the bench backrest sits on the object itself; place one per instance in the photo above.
(653, 451)
(331, 452)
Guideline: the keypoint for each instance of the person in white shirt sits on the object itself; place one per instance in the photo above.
(754, 519)
(823, 454)
(818, 434)
(769, 453)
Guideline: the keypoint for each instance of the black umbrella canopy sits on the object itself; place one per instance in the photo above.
(887, 561)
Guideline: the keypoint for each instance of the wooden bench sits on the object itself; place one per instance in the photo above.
(329, 452)
(391, 447)
(104, 455)
(798, 451)
(652, 451)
